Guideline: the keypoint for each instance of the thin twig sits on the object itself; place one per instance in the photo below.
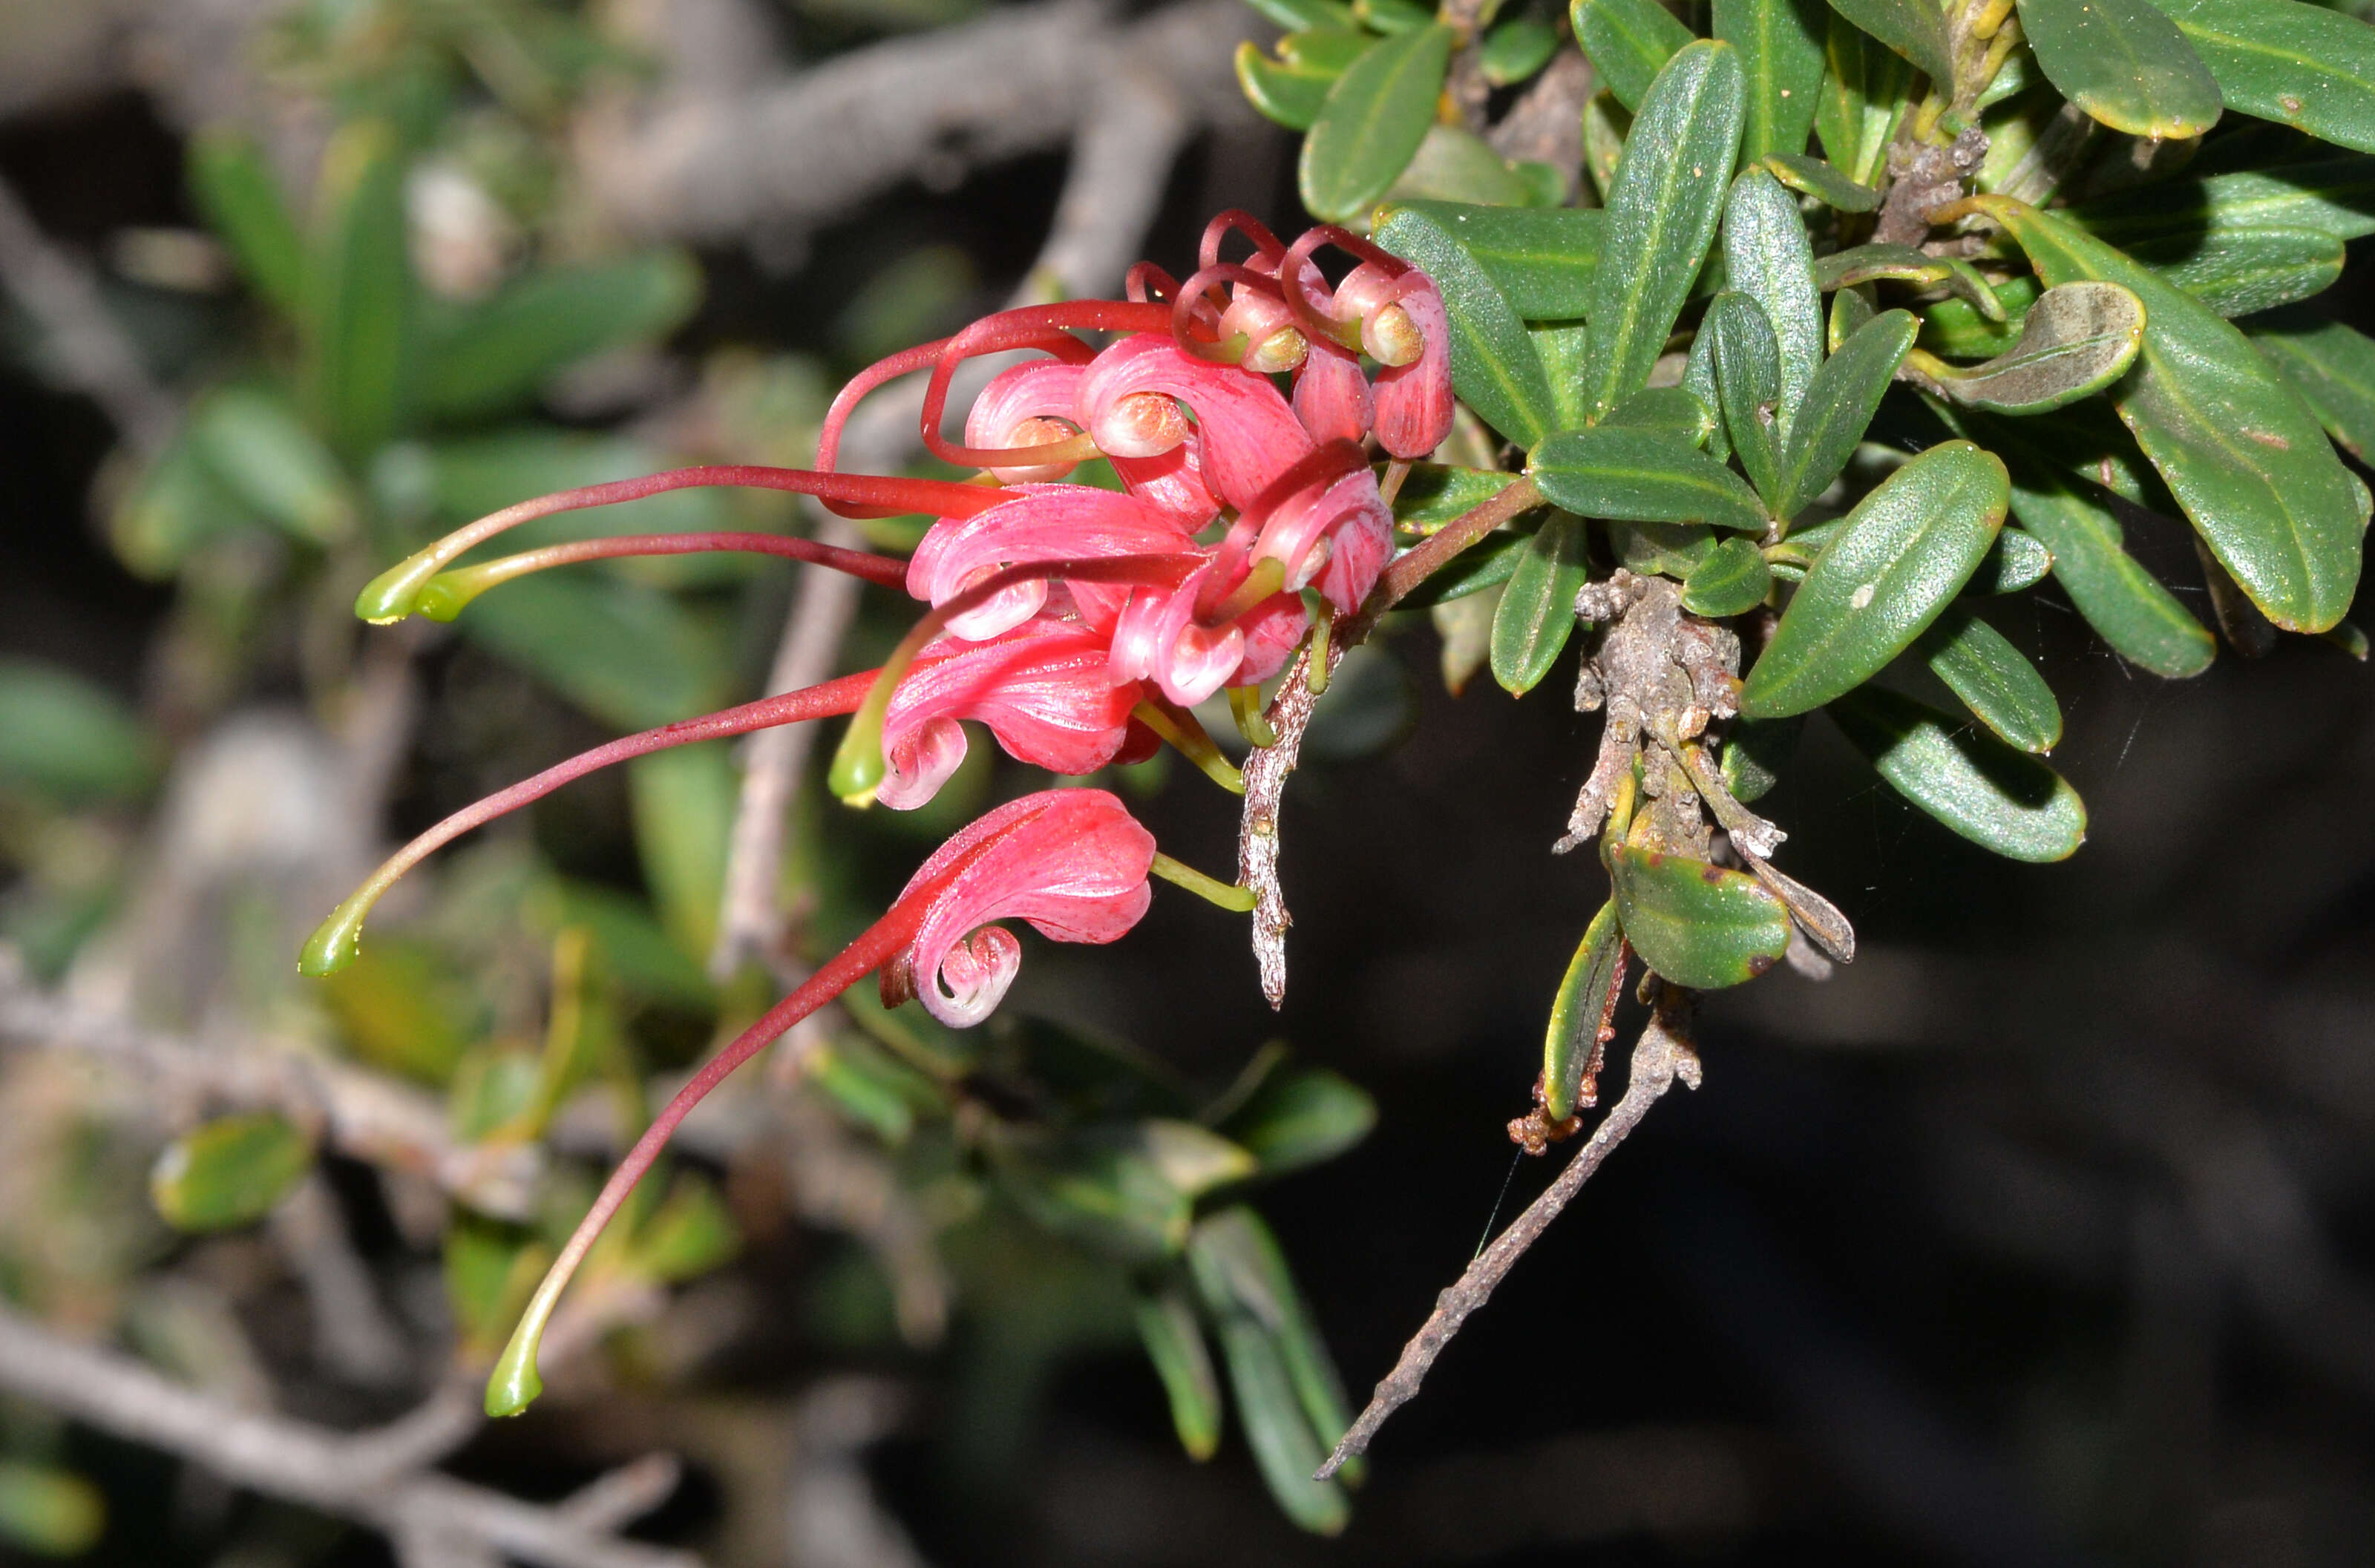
(86, 351)
(1662, 1054)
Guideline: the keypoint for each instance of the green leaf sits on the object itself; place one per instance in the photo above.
(2243, 457)
(2123, 63)
(1767, 257)
(1839, 407)
(1673, 412)
(495, 354)
(2015, 562)
(1897, 561)
(75, 742)
(2077, 339)
(1780, 44)
(358, 290)
(1629, 43)
(1565, 351)
(635, 951)
(2333, 368)
(1540, 258)
(1697, 925)
(1391, 16)
(2300, 66)
(229, 1172)
(1288, 89)
(401, 1010)
(1851, 311)
(1456, 165)
(1371, 123)
(1661, 550)
(254, 440)
(1755, 752)
(1294, 14)
(1631, 476)
(1958, 329)
(1099, 1188)
(1580, 1013)
(1915, 28)
(2001, 800)
(1435, 494)
(1537, 609)
(1866, 91)
(1663, 211)
(466, 478)
(1167, 1328)
(1301, 1117)
(1493, 366)
(1605, 123)
(1995, 680)
(1813, 177)
(240, 197)
(689, 1235)
(2336, 196)
(48, 1511)
(1903, 263)
(1478, 567)
(684, 800)
(2237, 272)
(1699, 380)
(1515, 50)
(630, 655)
(1731, 580)
(1748, 383)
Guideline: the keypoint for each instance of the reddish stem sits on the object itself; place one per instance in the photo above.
(888, 571)
(1237, 221)
(1048, 327)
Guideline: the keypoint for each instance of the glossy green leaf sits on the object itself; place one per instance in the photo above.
(1453, 164)
(1697, 925)
(2003, 800)
(2237, 272)
(70, 740)
(2124, 62)
(2333, 368)
(2015, 562)
(1957, 329)
(253, 438)
(1477, 568)
(230, 1171)
(1581, 1010)
(1537, 612)
(1768, 256)
(1780, 44)
(1371, 123)
(1995, 680)
(2077, 339)
(1661, 550)
(2336, 196)
(628, 654)
(240, 194)
(1838, 408)
(1392, 16)
(1435, 494)
(495, 354)
(1175, 1344)
(1813, 177)
(1699, 380)
(2297, 65)
(1748, 384)
(1897, 560)
(1662, 214)
(1291, 87)
(1903, 263)
(1565, 350)
(358, 290)
(1851, 311)
(1731, 580)
(1540, 258)
(1866, 91)
(1915, 28)
(1515, 50)
(1673, 412)
(2242, 454)
(1629, 43)
(1293, 16)
(1755, 752)
(1493, 366)
(1635, 476)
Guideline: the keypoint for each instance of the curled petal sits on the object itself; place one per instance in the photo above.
(1043, 523)
(1273, 629)
(1172, 482)
(920, 760)
(974, 976)
(1332, 396)
(1413, 398)
(1158, 638)
(1042, 688)
(1334, 535)
(1008, 411)
(1245, 435)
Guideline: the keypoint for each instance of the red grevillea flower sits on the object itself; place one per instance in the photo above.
(1245, 435)
(1072, 862)
(1042, 688)
(1043, 523)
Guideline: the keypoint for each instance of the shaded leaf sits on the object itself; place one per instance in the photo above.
(689, 1235)
(1696, 924)
(230, 1171)
(683, 801)
(2333, 368)
(358, 290)
(1903, 263)
(254, 440)
(2335, 195)
(1731, 580)
(1585, 1003)
(1632, 475)
(630, 655)
(1865, 92)
(2015, 562)
(1175, 1344)
(67, 738)
(2238, 271)
(1664, 550)
(1435, 494)
(1768, 256)
(1301, 1117)
(2077, 339)
(1477, 568)
(1995, 680)
(1371, 123)
(240, 196)
(2124, 62)
(1780, 44)
(1915, 28)
(2001, 800)
(1748, 383)
(1493, 366)
(1755, 751)
(1456, 165)
(1537, 612)
(1838, 408)
(1673, 412)
(1540, 258)
(1629, 43)
(1813, 177)
(2301, 65)
(496, 353)
(1515, 50)
(1957, 329)
(1291, 87)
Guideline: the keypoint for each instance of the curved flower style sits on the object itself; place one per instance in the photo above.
(1072, 862)
(1042, 688)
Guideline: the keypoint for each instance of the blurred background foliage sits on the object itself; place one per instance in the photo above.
(2039, 1235)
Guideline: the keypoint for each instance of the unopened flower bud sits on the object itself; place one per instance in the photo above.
(1391, 338)
(1278, 353)
(1039, 430)
(1142, 424)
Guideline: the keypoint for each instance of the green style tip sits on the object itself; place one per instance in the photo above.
(512, 1387)
(335, 941)
(857, 769)
(396, 592)
(443, 596)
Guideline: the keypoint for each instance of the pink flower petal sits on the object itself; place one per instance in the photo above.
(1043, 523)
(1332, 396)
(1042, 688)
(1413, 401)
(1245, 433)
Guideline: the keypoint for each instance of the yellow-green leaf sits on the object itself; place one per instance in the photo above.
(1175, 1344)
(1865, 93)
(1696, 923)
(1915, 28)
(1586, 1002)
(2123, 63)
(359, 295)
(229, 1172)
(2001, 800)
(1372, 121)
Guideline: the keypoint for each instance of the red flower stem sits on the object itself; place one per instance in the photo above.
(449, 591)
(1237, 221)
(334, 943)
(1048, 327)
(1197, 292)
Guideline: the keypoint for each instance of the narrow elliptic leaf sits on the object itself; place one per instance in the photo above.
(1662, 214)
(1852, 310)
(2077, 339)
(229, 1172)
(1767, 257)
(1540, 258)
(1697, 925)
(1866, 91)
(2299, 65)
(1299, 1116)
(1493, 366)
(1435, 494)
(1605, 124)
(2242, 454)
(682, 802)
(1661, 550)
(2336, 195)
(1755, 752)
(1903, 263)
(1453, 164)
(1294, 14)
(1629, 43)
(1537, 609)
(69, 739)
(1392, 16)
(1915, 28)
(1585, 1004)
(1478, 567)
(1284, 1447)
(1732, 580)
(254, 440)
(1565, 350)
(1673, 412)
(1699, 380)
(1748, 383)
(1632, 475)
(1780, 44)
(2331, 366)
(2123, 63)
(1995, 680)
(2237, 272)
(1957, 329)
(1372, 121)
(240, 194)
(1284, 92)
(2001, 800)
(358, 290)
(1838, 408)
(631, 656)
(1175, 1344)
(1813, 177)
(1897, 561)
(1515, 50)
(2015, 562)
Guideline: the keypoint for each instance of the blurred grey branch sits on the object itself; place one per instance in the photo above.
(82, 348)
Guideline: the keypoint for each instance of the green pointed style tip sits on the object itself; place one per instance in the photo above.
(335, 941)
(396, 592)
(856, 768)
(443, 597)
(513, 1386)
